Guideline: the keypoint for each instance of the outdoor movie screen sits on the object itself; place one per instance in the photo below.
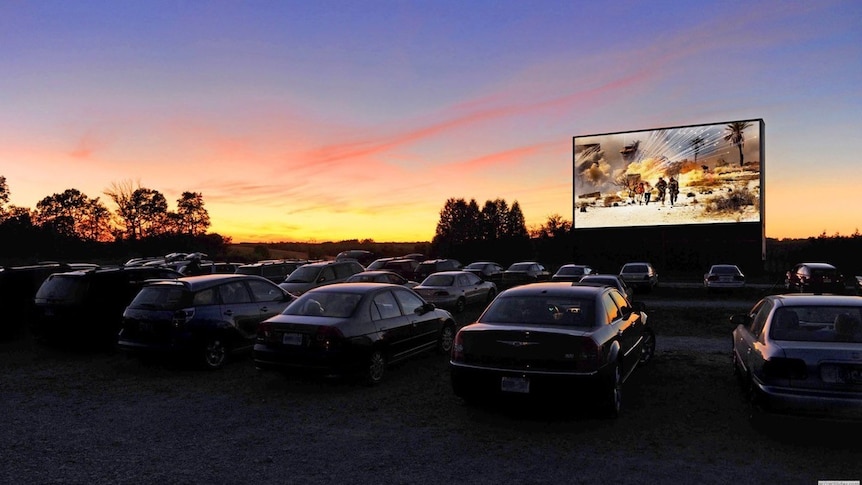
(699, 174)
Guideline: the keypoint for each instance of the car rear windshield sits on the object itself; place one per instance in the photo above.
(724, 270)
(541, 310)
(635, 268)
(571, 270)
(439, 280)
(161, 297)
(324, 304)
(817, 324)
(60, 288)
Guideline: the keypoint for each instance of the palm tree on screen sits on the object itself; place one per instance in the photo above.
(733, 134)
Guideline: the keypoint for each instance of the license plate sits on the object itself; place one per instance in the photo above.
(292, 339)
(515, 384)
(838, 374)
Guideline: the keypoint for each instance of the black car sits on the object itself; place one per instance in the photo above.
(273, 270)
(86, 307)
(431, 266)
(18, 286)
(205, 317)
(487, 270)
(524, 272)
(351, 328)
(554, 340)
(815, 278)
(572, 272)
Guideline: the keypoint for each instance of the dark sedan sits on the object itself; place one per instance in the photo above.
(801, 354)
(571, 272)
(814, 278)
(352, 328)
(524, 272)
(553, 339)
(487, 270)
(611, 280)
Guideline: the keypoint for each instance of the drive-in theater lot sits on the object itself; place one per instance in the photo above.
(100, 417)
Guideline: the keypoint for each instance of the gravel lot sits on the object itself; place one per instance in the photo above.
(99, 417)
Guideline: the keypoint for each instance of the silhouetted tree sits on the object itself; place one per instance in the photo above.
(73, 214)
(193, 216)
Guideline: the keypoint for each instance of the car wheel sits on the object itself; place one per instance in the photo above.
(213, 354)
(613, 393)
(447, 336)
(459, 305)
(648, 346)
(375, 367)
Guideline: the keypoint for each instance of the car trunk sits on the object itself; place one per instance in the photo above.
(829, 365)
(529, 348)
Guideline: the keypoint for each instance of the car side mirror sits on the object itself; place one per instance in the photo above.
(427, 307)
(740, 319)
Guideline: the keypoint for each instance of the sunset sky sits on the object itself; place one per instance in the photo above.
(330, 120)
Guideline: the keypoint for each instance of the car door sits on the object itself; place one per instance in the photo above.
(396, 330)
(748, 343)
(624, 326)
(426, 326)
(238, 309)
(472, 285)
(634, 333)
(270, 298)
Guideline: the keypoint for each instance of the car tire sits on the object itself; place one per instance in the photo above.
(213, 353)
(447, 336)
(648, 347)
(460, 303)
(375, 368)
(612, 394)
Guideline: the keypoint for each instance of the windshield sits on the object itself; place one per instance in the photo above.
(160, 297)
(324, 304)
(439, 280)
(62, 288)
(572, 270)
(541, 310)
(635, 268)
(817, 324)
(520, 267)
(304, 274)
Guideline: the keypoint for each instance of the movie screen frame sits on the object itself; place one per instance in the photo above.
(718, 169)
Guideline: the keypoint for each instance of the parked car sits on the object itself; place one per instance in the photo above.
(723, 277)
(611, 280)
(207, 317)
(378, 263)
(86, 307)
(487, 270)
(381, 276)
(431, 266)
(18, 286)
(857, 285)
(321, 273)
(640, 276)
(404, 267)
(273, 270)
(814, 278)
(208, 267)
(801, 354)
(456, 289)
(352, 328)
(361, 256)
(571, 272)
(524, 272)
(553, 339)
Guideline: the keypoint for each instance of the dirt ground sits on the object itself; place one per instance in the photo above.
(99, 417)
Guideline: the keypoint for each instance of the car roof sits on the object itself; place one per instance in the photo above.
(359, 288)
(555, 289)
(200, 282)
(818, 265)
(814, 299)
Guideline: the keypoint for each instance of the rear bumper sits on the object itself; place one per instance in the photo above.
(474, 381)
(837, 404)
(272, 358)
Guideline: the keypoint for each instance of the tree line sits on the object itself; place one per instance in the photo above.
(73, 224)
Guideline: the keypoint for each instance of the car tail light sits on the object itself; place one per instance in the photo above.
(588, 357)
(713, 277)
(264, 330)
(182, 317)
(784, 368)
(328, 338)
(458, 348)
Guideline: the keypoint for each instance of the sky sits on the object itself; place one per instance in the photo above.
(334, 120)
